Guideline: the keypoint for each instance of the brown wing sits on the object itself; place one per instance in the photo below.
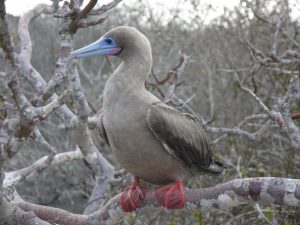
(101, 129)
(180, 134)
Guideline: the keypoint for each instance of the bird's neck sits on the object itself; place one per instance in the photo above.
(132, 72)
(127, 81)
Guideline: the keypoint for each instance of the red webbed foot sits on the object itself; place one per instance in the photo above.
(133, 196)
(171, 196)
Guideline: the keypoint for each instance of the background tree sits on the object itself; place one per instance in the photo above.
(238, 74)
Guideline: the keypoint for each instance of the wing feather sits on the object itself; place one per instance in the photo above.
(180, 134)
(101, 129)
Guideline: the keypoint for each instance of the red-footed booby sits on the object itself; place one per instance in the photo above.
(150, 139)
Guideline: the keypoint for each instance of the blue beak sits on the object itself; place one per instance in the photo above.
(99, 47)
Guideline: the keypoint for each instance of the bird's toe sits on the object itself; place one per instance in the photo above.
(171, 196)
(132, 197)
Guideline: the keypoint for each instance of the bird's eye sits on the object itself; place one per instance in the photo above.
(108, 41)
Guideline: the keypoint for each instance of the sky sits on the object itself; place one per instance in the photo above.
(18, 7)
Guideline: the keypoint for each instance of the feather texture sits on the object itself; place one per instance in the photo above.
(101, 129)
(181, 136)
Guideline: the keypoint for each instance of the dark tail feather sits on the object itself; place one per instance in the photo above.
(215, 168)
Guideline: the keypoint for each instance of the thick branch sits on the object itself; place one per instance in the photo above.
(14, 216)
(262, 190)
(103, 170)
(285, 106)
(5, 39)
(12, 178)
(26, 46)
(23, 59)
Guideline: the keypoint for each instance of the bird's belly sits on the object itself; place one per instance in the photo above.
(138, 151)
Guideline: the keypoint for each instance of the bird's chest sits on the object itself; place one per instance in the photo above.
(125, 122)
(122, 107)
(121, 121)
(125, 128)
(124, 118)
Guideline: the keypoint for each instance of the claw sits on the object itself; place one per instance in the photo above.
(171, 196)
(133, 196)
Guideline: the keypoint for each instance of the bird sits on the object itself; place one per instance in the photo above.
(150, 139)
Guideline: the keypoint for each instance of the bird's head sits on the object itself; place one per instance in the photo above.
(121, 41)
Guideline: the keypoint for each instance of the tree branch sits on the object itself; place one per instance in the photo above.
(102, 169)
(285, 105)
(105, 8)
(23, 59)
(261, 190)
(13, 177)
